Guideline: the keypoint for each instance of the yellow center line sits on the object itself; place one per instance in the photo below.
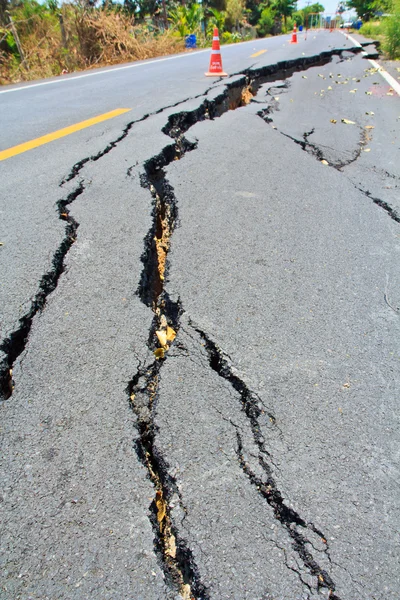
(50, 137)
(257, 53)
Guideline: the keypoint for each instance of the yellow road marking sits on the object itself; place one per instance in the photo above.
(50, 137)
(257, 53)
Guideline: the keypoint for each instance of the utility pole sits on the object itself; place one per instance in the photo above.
(63, 34)
(165, 14)
(17, 40)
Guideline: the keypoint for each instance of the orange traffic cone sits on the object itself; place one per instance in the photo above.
(294, 35)
(215, 69)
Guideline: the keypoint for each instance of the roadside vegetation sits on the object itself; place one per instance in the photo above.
(381, 21)
(50, 38)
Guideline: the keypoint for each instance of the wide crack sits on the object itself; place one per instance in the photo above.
(316, 150)
(15, 343)
(176, 557)
(235, 95)
(289, 518)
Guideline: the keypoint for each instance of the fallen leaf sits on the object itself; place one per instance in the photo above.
(276, 98)
(389, 94)
(369, 93)
(352, 91)
(333, 121)
(367, 149)
(346, 385)
(330, 87)
(304, 76)
(159, 353)
(161, 506)
(186, 592)
(132, 397)
(171, 334)
(162, 337)
(320, 75)
(324, 162)
(370, 113)
(1, 243)
(348, 122)
(369, 127)
(170, 546)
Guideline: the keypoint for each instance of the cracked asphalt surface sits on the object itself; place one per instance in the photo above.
(201, 305)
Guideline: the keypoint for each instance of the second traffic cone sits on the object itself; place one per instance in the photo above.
(294, 35)
(215, 68)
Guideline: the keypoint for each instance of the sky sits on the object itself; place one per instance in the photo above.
(330, 6)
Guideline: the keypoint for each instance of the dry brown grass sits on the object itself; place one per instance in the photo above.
(94, 39)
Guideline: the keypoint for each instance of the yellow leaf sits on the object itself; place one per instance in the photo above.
(171, 334)
(369, 93)
(162, 337)
(330, 87)
(161, 506)
(132, 397)
(367, 149)
(333, 121)
(348, 122)
(170, 546)
(324, 162)
(159, 353)
(304, 76)
(186, 592)
(369, 127)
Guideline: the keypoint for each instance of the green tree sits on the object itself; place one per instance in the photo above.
(234, 12)
(185, 19)
(3, 8)
(392, 32)
(366, 9)
(266, 21)
(216, 19)
(310, 10)
(284, 8)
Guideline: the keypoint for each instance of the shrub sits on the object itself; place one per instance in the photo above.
(371, 29)
(391, 24)
(266, 22)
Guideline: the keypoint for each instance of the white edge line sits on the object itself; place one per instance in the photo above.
(391, 80)
(134, 66)
(113, 70)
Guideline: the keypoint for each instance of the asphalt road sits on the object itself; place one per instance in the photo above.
(213, 415)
